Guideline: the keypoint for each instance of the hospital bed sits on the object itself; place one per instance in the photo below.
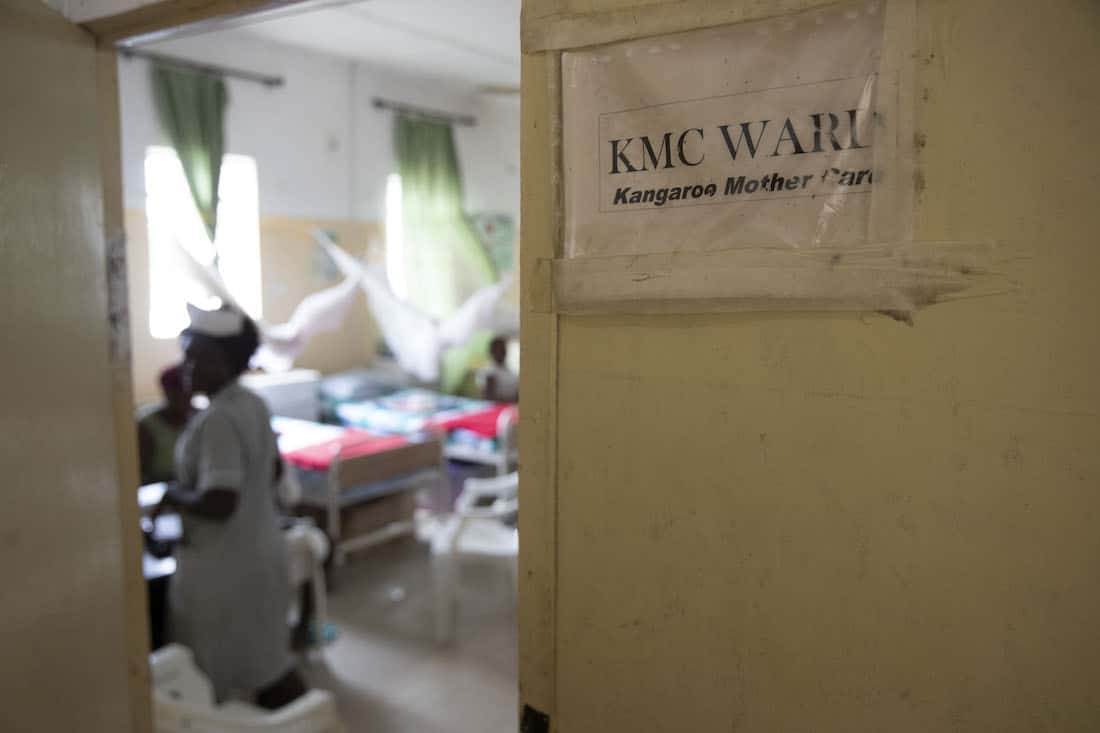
(477, 431)
(345, 473)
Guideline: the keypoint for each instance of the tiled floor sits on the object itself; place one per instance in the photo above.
(387, 672)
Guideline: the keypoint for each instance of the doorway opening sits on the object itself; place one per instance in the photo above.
(364, 212)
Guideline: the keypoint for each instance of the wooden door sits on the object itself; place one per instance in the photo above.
(830, 522)
(71, 662)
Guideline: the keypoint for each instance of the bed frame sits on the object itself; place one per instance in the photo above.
(505, 458)
(351, 483)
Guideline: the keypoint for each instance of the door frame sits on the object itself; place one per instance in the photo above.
(548, 29)
(150, 21)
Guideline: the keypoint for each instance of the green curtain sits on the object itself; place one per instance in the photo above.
(445, 261)
(191, 109)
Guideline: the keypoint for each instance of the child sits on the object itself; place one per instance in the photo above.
(496, 381)
(160, 427)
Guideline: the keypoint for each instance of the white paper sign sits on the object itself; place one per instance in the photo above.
(758, 134)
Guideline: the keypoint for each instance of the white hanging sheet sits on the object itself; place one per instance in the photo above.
(416, 339)
(322, 311)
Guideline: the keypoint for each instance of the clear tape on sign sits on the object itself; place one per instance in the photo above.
(898, 277)
(769, 165)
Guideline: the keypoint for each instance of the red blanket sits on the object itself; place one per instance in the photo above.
(483, 422)
(351, 444)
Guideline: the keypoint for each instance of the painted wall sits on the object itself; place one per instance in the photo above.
(488, 152)
(289, 273)
(323, 154)
(299, 133)
(322, 149)
(837, 522)
(63, 533)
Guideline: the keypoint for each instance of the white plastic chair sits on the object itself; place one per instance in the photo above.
(507, 440)
(183, 702)
(307, 547)
(475, 530)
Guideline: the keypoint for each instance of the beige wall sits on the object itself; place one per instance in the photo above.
(287, 254)
(64, 543)
(818, 522)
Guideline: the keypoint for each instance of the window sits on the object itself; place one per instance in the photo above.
(395, 233)
(176, 230)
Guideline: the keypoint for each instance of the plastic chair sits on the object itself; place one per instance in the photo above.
(507, 440)
(183, 702)
(307, 547)
(475, 530)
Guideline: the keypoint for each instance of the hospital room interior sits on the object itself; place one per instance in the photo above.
(331, 197)
(773, 316)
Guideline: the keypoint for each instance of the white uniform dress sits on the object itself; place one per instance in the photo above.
(231, 592)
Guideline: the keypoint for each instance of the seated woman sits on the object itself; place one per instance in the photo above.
(160, 427)
(230, 595)
(497, 382)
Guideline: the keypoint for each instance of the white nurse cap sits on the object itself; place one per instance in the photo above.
(225, 322)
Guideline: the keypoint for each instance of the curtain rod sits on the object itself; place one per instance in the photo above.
(430, 114)
(266, 79)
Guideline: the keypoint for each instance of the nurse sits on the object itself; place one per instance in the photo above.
(230, 595)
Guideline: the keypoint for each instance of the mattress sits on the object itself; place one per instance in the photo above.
(414, 411)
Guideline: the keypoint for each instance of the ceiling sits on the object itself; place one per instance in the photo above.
(471, 41)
